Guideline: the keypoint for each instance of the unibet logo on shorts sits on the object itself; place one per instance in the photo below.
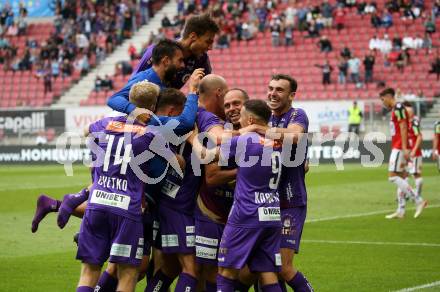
(110, 199)
(269, 214)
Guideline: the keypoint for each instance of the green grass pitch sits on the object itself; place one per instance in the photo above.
(347, 245)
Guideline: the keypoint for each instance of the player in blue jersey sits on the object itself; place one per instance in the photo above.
(197, 39)
(178, 196)
(112, 225)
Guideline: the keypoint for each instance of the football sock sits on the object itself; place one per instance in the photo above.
(403, 185)
(271, 288)
(45, 205)
(106, 283)
(186, 283)
(159, 283)
(401, 201)
(299, 283)
(70, 202)
(225, 284)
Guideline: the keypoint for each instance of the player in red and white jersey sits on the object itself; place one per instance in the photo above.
(399, 153)
(436, 144)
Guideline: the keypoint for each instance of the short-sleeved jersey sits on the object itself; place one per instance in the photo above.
(256, 198)
(117, 186)
(191, 63)
(292, 187)
(398, 114)
(437, 134)
(217, 200)
(413, 134)
(180, 193)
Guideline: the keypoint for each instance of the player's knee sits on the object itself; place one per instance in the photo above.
(188, 263)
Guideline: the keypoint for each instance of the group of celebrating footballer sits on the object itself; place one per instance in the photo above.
(236, 223)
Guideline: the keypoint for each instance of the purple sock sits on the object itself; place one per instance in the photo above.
(282, 284)
(241, 287)
(186, 283)
(210, 287)
(70, 202)
(299, 283)
(159, 283)
(225, 284)
(271, 288)
(106, 283)
(84, 289)
(45, 205)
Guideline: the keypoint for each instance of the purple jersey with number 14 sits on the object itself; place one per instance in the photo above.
(256, 200)
(292, 187)
(116, 187)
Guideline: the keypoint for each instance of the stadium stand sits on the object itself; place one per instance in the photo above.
(249, 63)
(42, 60)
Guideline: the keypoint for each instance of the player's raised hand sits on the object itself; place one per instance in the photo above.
(141, 115)
(195, 78)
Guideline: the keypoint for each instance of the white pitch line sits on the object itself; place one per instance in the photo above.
(361, 214)
(419, 244)
(429, 285)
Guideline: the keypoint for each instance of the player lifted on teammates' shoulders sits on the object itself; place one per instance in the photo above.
(400, 154)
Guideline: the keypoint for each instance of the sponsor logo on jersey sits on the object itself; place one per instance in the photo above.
(269, 214)
(110, 199)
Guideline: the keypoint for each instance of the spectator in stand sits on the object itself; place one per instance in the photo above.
(107, 83)
(98, 83)
(403, 60)
(387, 19)
(430, 26)
(397, 43)
(374, 43)
(288, 35)
(435, 11)
(324, 44)
(343, 70)
(369, 61)
(145, 11)
(166, 21)
(354, 67)
(427, 43)
(82, 64)
(326, 72)
(275, 30)
(132, 52)
(47, 78)
(435, 66)
(55, 68)
(386, 45)
(66, 68)
(222, 41)
(327, 13)
(370, 8)
(339, 16)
